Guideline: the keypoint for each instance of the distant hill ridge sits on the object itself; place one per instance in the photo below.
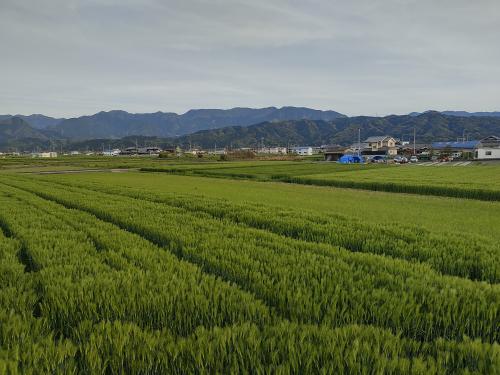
(288, 125)
(429, 127)
(461, 113)
(36, 121)
(118, 124)
(15, 132)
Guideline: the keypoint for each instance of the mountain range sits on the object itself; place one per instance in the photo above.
(238, 127)
(36, 121)
(118, 124)
(15, 128)
(462, 113)
(429, 127)
(16, 133)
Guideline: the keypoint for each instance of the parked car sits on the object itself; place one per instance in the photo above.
(400, 159)
(414, 159)
(445, 158)
(378, 159)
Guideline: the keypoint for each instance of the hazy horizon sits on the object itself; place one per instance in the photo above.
(184, 112)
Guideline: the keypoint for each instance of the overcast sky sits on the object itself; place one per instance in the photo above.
(74, 57)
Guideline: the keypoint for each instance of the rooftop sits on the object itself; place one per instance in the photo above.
(379, 138)
(466, 144)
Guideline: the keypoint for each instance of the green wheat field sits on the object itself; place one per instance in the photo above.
(180, 266)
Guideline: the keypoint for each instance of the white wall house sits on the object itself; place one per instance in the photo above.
(272, 150)
(114, 152)
(302, 151)
(482, 153)
(44, 155)
(218, 151)
(488, 148)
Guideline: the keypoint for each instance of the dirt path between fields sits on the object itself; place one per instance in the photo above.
(69, 171)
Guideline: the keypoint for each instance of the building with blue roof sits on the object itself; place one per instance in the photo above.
(486, 148)
(456, 146)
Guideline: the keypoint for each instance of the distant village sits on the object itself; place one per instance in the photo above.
(372, 149)
(384, 148)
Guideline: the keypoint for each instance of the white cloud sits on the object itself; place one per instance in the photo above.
(69, 57)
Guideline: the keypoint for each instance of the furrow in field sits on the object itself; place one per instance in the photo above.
(26, 342)
(130, 279)
(114, 347)
(107, 236)
(22, 253)
(303, 285)
(453, 254)
(95, 348)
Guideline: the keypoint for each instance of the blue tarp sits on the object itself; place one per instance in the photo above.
(346, 159)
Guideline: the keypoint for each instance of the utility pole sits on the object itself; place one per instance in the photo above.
(414, 138)
(359, 141)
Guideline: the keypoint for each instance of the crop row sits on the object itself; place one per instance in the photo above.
(109, 342)
(92, 271)
(342, 180)
(473, 257)
(305, 282)
(394, 187)
(261, 170)
(26, 342)
(116, 347)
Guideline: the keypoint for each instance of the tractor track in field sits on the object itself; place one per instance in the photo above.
(177, 250)
(178, 253)
(352, 248)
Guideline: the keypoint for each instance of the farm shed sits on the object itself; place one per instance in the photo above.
(334, 152)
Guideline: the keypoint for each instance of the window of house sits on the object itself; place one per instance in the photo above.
(488, 153)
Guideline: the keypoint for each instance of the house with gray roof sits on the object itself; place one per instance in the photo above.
(380, 145)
